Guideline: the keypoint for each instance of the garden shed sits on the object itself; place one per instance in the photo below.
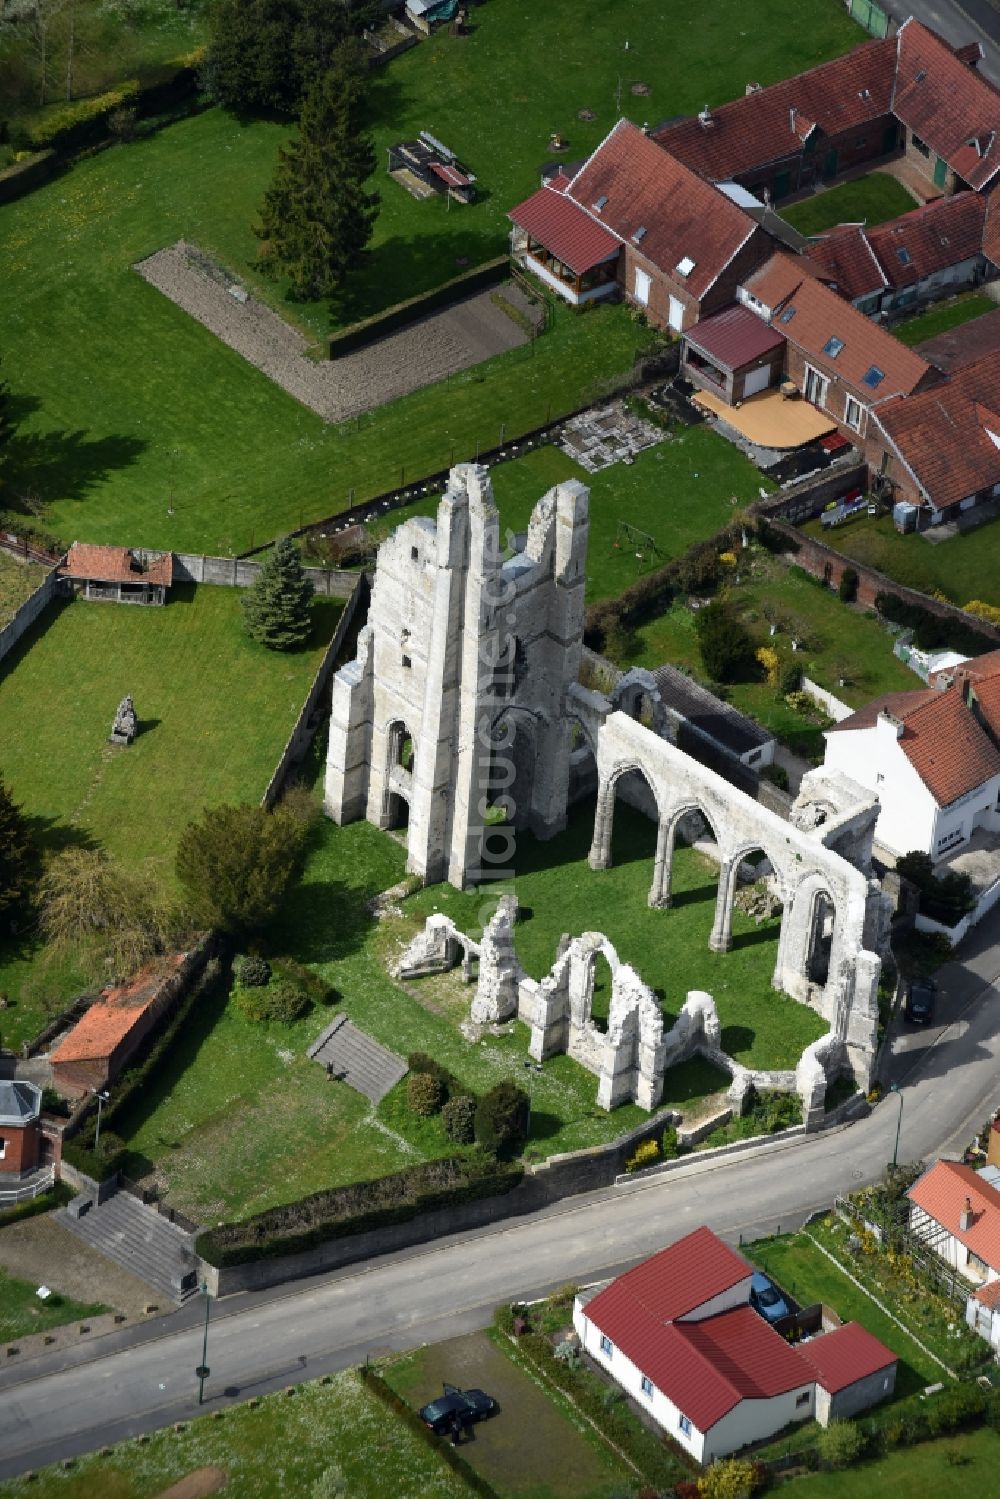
(123, 575)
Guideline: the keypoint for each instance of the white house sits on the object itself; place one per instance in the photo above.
(932, 760)
(956, 1211)
(679, 1335)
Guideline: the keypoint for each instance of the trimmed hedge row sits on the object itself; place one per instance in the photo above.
(56, 1197)
(23, 176)
(357, 1208)
(932, 629)
(381, 324)
(384, 1392)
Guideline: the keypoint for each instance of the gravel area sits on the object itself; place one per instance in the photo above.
(40, 1249)
(426, 352)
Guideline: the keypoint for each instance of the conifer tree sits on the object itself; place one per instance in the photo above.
(317, 218)
(17, 853)
(276, 610)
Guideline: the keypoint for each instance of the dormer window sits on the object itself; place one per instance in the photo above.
(903, 256)
(787, 315)
(864, 93)
(599, 203)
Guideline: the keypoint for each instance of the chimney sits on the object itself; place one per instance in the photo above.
(965, 1217)
(705, 118)
(752, 88)
(889, 725)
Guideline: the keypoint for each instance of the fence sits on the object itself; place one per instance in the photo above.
(871, 16)
(10, 1195)
(307, 721)
(826, 700)
(808, 497)
(237, 572)
(29, 611)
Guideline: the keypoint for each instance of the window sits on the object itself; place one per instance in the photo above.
(802, 1399)
(685, 1425)
(3, 1147)
(639, 235)
(852, 413)
(787, 315)
(975, 1263)
(816, 387)
(833, 347)
(917, 143)
(642, 286)
(606, 1345)
(647, 1385)
(600, 202)
(873, 377)
(414, 555)
(903, 256)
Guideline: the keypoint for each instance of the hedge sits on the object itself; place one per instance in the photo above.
(932, 629)
(357, 1208)
(381, 324)
(99, 1165)
(475, 1483)
(22, 176)
(56, 1197)
(307, 979)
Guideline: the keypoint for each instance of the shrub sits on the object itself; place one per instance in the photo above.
(279, 1000)
(840, 1444)
(727, 648)
(848, 586)
(419, 1061)
(502, 1118)
(644, 1155)
(777, 775)
(670, 1145)
(790, 680)
(769, 660)
(317, 988)
(459, 1119)
(731, 1478)
(989, 612)
(424, 1094)
(251, 971)
(98, 1164)
(945, 898)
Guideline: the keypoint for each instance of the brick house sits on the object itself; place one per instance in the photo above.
(21, 1136)
(635, 219)
(99, 1046)
(950, 113)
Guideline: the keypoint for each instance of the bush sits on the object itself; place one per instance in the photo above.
(306, 979)
(670, 1145)
(732, 1478)
(251, 971)
(502, 1118)
(930, 629)
(945, 898)
(279, 1000)
(769, 660)
(848, 586)
(80, 122)
(840, 1444)
(727, 648)
(981, 610)
(419, 1061)
(424, 1094)
(98, 1164)
(459, 1119)
(644, 1155)
(790, 680)
(777, 775)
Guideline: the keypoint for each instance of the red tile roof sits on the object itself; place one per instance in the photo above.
(841, 1357)
(809, 315)
(931, 238)
(943, 434)
(680, 216)
(109, 564)
(674, 1282)
(991, 229)
(988, 1295)
(572, 235)
(845, 259)
(762, 126)
(951, 753)
(965, 344)
(896, 703)
(735, 337)
(106, 1024)
(949, 105)
(942, 1191)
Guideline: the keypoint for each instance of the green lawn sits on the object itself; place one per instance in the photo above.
(22, 1313)
(871, 200)
(565, 1458)
(269, 1449)
(943, 316)
(952, 1468)
(214, 710)
(678, 492)
(839, 642)
(159, 407)
(963, 568)
(18, 580)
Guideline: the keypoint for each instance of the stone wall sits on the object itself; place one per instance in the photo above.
(29, 611)
(809, 497)
(239, 572)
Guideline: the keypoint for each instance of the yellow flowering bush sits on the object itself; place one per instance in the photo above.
(981, 610)
(768, 658)
(728, 559)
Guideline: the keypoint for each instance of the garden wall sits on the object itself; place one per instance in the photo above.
(405, 314)
(28, 613)
(26, 175)
(837, 710)
(809, 497)
(236, 572)
(307, 722)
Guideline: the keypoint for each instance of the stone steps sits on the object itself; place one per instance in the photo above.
(135, 1236)
(358, 1060)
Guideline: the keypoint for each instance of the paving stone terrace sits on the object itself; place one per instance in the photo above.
(424, 353)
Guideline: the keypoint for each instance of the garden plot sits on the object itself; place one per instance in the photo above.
(612, 434)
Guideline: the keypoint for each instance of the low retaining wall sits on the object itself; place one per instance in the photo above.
(720, 1153)
(308, 720)
(987, 900)
(237, 572)
(808, 497)
(837, 710)
(405, 314)
(27, 614)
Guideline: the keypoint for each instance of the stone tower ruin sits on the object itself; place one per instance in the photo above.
(457, 699)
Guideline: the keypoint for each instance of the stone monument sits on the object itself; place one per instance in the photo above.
(124, 728)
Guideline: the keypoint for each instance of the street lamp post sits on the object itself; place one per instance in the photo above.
(203, 1371)
(101, 1098)
(894, 1088)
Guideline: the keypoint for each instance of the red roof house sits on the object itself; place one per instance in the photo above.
(99, 1046)
(957, 1213)
(679, 1334)
(119, 574)
(950, 111)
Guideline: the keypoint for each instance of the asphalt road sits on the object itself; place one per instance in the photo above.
(135, 1382)
(958, 21)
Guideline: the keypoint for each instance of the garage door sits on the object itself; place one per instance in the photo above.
(756, 381)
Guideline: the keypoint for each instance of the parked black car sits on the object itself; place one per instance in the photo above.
(920, 1001)
(464, 1406)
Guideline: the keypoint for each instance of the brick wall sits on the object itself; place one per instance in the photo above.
(22, 1148)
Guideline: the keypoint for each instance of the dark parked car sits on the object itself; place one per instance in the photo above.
(462, 1406)
(767, 1299)
(920, 1001)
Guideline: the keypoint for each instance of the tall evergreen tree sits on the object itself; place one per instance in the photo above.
(276, 610)
(317, 217)
(263, 55)
(17, 854)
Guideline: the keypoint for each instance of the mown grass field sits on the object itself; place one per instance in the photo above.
(22, 1313)
(271, 1450)
(678, 492)
(839, 642)
(963, 568)
(943, 317)
(157, 407)
(867, 200)
(214, 711)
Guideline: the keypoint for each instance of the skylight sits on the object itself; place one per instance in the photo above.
(833, 347)
(787, 315)
(684, 267)
(873, 377)
(864, 93)
(639, 234)
(903, 256)
(600, 202)
(920, 76)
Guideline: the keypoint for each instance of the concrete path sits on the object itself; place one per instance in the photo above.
(267, 1340)
(421, 354)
